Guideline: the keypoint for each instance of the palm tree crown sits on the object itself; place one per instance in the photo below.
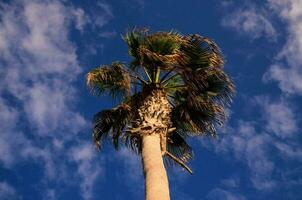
(187, 69)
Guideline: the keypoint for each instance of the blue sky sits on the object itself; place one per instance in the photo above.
(47, 47)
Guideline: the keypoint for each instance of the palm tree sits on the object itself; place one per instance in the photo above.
(174, 88)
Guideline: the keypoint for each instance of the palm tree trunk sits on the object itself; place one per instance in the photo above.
(152, 126)
(156, 181)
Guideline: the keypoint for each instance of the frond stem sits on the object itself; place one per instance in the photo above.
(157, 75)
(139, 79)
(148, 75)
(180, 162)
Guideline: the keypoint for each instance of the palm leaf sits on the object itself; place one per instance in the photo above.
(113, 79)
(134, 40)
(196, 114)
(178, 146)
(201, 52)
(110, 124)
(159, 49)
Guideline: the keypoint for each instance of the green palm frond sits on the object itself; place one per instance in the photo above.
(135, 39)
(203, 70)
(163, 43)
(178, 146)
(196, 114)
(201, 52)
(212, 83)
(113, 79)
(110, 124)
(173, 83)
(154, 52)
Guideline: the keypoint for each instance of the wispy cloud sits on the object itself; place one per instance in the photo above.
(287, 69)
(250, 147)
(251, 22)
(279, 116)
(38, 96)
(227, 189)
(268, 143)
(7, 192)
(257, 21)
(221, 194)
(88, 168)
(263, 145)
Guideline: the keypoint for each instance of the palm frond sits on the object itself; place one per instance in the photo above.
(160, 49)
(203, 70)
(135, 39)
(110, 124)
(196, 114)
(212, 83)
(113, 79)
(201, 52)
(173, 83)
(178, 146)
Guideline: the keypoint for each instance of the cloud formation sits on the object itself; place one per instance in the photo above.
(251, 22)
(255, 22)
(287, 69)
(7, 192)
(38, 96)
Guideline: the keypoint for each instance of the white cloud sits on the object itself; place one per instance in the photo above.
(227, 189)
(279, 116)
(260, 143)
(7, 192)
(292, 151)
(250, 22)
(100, 14)
(88, 167)
(287, 69)
(38, 69)
(50, 195)
(222, 194)
(256, 21)
(40, 63)
(251, 148)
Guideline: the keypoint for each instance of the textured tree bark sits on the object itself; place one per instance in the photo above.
(156, 181)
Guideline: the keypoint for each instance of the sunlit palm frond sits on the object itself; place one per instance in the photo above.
(160, 50)
(113, 79)
(135, 39)
(152, 59)
(163, 43)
